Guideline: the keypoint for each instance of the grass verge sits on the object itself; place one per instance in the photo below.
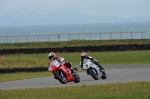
(133, 90)
(34, 60)
(19, 76)
(72, 43)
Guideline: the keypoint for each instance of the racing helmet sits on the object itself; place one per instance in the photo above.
(51, 55)
(83, 55)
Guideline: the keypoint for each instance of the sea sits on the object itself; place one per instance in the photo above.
(97, 31)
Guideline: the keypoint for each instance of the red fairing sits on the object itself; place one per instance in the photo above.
(54, 66)
(67, 71)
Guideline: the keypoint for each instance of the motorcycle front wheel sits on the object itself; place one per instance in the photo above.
(93, 73)
(61, 77)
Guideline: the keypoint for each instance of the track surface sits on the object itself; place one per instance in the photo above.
(115, 74)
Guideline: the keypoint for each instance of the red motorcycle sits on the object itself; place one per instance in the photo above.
(63, 73)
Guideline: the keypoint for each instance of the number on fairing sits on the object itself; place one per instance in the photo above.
(56, 64)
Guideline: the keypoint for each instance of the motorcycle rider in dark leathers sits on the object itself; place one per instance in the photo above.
(85, 56)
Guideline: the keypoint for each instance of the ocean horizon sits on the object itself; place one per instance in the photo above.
(73, 29)
(76, 28)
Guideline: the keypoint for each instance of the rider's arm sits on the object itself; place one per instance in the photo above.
(48, 63)
(60, 59)
(49, 66)
(92, 59)
(81, 64)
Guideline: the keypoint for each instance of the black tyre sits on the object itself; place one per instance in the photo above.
(61, 77)
(77, 78)
(104, 76)
(93, 74)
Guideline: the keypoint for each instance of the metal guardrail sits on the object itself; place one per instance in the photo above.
(77, 36)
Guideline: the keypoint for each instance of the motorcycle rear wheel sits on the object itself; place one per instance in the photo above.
(104, 76)
(76, 78)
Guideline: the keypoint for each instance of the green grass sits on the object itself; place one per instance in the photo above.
(71, 43)
(34, 60)
(20, 76)
(133, 90)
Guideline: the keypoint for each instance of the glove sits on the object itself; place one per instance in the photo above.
(61, 60)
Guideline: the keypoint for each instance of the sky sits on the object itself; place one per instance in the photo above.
(20, 10)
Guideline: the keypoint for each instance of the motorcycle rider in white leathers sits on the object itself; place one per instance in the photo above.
(85, 56)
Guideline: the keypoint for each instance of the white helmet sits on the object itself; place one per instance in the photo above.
(51, 55)
(83, 55)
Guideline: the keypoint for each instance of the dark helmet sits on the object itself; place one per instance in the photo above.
(51, 55)
(83, 55)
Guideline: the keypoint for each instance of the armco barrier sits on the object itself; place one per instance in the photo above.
(121, 47)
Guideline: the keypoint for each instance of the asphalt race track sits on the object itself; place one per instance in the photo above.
(115, 74)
